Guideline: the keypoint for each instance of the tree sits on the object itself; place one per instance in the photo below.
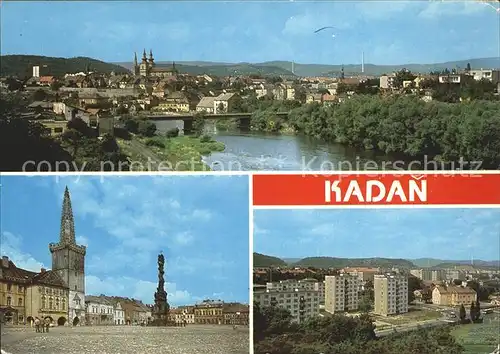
(463, 314)
(198, 123)
(468, 67)
(365, 303)
(472, 311)
(39, 95)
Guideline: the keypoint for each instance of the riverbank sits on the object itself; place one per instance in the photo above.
(183, 153)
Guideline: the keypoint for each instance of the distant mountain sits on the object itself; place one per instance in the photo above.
(22, 65)
(331, 262)
(261, 260)
(285, 67)
(222, 69)
(442, 263)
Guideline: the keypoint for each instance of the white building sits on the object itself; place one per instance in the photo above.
(342, 293)
(391, 294)
(36, 71)
(119, 314)
(99, 311)
(302, 303)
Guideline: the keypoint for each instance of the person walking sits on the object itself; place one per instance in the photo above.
(37, 325)
(47, 324)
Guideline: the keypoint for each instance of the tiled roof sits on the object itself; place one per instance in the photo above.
(206, 102)
(15, 274)
(224, 96)
(49, 277)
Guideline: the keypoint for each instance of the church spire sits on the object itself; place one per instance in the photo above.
(135, 58)
(67, 234)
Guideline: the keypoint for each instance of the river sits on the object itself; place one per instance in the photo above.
(258, 151)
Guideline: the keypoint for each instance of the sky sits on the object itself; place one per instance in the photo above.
(388, 32)
(450, 234)
(200, 223)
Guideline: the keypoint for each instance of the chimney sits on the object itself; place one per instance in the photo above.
(5, 262)
(43, 270)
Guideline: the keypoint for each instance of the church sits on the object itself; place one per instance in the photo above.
(148, 68)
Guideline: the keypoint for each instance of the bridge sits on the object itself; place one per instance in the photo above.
(184, 117)
(184, 122)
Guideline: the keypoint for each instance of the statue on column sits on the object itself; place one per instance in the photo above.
(161, 307)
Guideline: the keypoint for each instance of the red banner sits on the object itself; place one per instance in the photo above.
(376, 189)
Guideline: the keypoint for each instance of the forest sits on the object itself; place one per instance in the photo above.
(397, 124)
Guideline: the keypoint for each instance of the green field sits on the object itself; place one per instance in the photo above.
(481, 338)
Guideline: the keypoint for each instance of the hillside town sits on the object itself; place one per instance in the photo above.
(59, 297)
(160, 89)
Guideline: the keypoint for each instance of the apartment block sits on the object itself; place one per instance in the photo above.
(302, 303)
(436, 275)
(304, 284)
(342, 293)
(391, 294)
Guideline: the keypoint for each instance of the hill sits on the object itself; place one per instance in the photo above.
(261, 260)
(222, 69)
(272, 68)
(21, 65)
(331, 262)
(443, 263)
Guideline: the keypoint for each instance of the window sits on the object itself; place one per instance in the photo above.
(63, 304)
(20, 301)
(43, 301)
(58, 130)
(9, 287)
(9, 301)
(50, 302)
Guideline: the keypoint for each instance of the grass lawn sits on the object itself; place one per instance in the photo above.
(184, 153)
(480, 338)
(412, 316)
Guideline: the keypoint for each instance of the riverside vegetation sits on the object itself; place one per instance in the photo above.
(460, 122)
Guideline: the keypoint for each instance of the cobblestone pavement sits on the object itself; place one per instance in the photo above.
(192, 339)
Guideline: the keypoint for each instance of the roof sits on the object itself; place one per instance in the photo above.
(97, 300)
(206, 102)
(49, 277)
(234, 307)
(13, 273)
(46, 78)
(224, 96)
(455, 289)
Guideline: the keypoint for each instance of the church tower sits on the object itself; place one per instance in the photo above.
(136, 66)
(151, 59)
(68, 260)
(144, 65)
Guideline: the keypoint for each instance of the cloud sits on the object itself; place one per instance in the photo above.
(135, 288)
(438, 9)
(82, 240)
(11, 247)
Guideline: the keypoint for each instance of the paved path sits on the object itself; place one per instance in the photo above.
(194, 339)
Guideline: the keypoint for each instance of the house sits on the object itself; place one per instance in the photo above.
(46, 80)
(236, 314)
(453, 78)
(387, 81)
(119, 314)
(279, 92)
(54, 127)
(206, 104)
(174, 102)
(328, 99)
(453, 295)
(91, 99)
(100, 311)
(209, 312)
(224, 102)
(290, 92)
(313, 97)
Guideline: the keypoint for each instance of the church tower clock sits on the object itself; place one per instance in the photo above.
(68, 260)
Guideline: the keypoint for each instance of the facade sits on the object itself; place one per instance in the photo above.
(387, 81)
(175, 102)
(68, 260)
(206, 105)
(302, 303)
(435, 275)
(47, 297)
(119, 314)
(342, 293)
(209, 312)
(13, 284)
(453, 296)
(391, 294)
(99, 311)
(224, 103)
(485, 74)
(236, 314)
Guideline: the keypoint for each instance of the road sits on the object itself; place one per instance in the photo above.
(411, 327)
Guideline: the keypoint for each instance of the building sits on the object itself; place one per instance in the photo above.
(301, 302)
(148, 68)
(224, 103)
(342, 293)
(100, 311)
(47, 298)
(206, 105)
(387, 81)
(68, 260)
(209, 312)
(36, 71)
(119, 314)
(236, 314)
(314, 97)
(391, 294)
(483, 74)
(174, 102)
(453, 78)
(435, 275)
(54, 127)
(13, 284)
(453, 295)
